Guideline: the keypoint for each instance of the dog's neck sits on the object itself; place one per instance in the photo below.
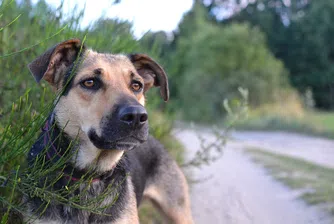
(59, 146)
(55, 140)
(83, 156)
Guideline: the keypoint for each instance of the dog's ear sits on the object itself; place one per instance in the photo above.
(151, 72)
(52, 65)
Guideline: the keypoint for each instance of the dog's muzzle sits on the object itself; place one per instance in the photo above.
(124, 129)
(133, 116)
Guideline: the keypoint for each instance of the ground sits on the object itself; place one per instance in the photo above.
(315, 149)
(236, 190)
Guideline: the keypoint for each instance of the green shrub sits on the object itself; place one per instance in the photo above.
(223, 59)
(28, 30)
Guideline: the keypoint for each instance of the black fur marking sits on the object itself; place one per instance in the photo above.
(98, 71)
(71, 73)
(68, 80)
(145, 159)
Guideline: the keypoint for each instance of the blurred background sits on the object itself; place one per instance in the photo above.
(271, 58)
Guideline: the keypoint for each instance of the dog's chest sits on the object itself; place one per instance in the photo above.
(98, 202)
(102, 198)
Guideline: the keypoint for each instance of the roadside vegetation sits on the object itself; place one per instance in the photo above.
(279, 50)
(314, 182)
(315, 123)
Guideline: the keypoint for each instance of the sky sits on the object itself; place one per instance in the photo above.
(146, 15)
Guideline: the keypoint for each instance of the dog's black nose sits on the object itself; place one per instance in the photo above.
(133, 115)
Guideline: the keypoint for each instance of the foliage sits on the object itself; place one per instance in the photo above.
(18, 42)
(27, 30)
(300, 34)
(158, 43)
(207, 63)
(288, 114)
(311, 60)
(234, 54)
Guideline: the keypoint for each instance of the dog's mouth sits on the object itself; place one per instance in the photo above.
(124, 143)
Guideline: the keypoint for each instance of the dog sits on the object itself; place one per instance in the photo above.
(101, 107)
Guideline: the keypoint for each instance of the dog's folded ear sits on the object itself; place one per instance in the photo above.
(53, 64)
(151, 72)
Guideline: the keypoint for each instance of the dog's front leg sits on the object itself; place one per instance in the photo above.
(130, 213)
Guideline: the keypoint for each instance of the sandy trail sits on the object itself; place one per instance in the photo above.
(241, 192)
(314, 149)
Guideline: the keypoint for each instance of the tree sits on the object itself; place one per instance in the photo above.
(157, 43)
(177, 60)
(112, 35)
(223, 59)
(207, 62)
(299, 33)
(311, 52)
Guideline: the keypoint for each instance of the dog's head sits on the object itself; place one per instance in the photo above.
(103, 95)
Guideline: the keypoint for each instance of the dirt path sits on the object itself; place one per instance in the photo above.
(313, 149)
(240, 192)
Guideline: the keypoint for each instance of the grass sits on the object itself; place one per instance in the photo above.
(315, 123)
(42, 26)
(149, 214)
(323, 119)
(317, 181)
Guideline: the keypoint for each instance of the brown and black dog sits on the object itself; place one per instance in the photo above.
(102, 106)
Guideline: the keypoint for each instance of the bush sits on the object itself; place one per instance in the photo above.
(223, 59)
(30, 29)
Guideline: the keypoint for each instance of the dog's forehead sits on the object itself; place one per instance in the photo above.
(106, 61)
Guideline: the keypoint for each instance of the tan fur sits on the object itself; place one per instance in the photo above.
(130, 215)
(142, 100)
(106, 157)
(88, 154)
(180, 212)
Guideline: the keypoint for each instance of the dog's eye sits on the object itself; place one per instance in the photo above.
(89, 83)
(136, 86)
(93, 84)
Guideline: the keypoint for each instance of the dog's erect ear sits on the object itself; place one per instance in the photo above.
(52, 65)
(151, 72)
